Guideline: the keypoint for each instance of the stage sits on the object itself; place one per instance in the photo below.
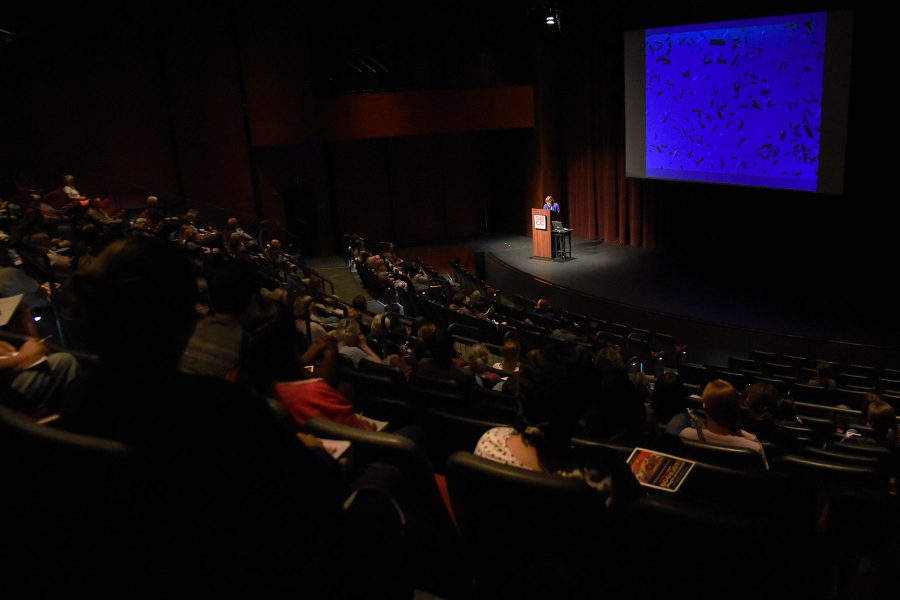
(716, 312)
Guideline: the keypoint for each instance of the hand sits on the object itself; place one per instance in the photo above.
(31, 351)
(34, 346)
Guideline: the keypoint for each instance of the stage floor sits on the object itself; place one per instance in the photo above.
(645, 279)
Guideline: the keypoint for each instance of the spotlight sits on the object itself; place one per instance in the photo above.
(551, 17)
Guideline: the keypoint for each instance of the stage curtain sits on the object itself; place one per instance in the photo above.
(602, 203)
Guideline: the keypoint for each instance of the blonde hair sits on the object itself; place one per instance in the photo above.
(347, 331)
(479, 358)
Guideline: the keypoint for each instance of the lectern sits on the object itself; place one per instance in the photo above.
(540, 232)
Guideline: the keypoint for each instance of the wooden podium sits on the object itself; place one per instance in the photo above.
(540, 233)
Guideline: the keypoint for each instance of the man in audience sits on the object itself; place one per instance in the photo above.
(215, 346)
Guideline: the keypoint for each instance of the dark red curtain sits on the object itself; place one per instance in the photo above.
(603, 204)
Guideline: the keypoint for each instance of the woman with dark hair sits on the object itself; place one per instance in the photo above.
(616, 409)
(882, 418)
(669, 398)
(550, 392)
(824, 377)
(439, 364)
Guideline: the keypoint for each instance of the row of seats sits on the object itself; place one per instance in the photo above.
(537, 535)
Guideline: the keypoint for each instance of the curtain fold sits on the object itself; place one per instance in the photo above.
(603, 204)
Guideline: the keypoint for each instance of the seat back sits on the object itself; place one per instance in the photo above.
(752, 557)
(65, 502)
(529, 534)
(726, 456)
(429, 529)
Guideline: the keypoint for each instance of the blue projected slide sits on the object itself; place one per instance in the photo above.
(758, 102)
(737, 102)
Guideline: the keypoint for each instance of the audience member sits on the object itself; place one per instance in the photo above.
(352, 343)
(669, 398)
(615, 410)
(229, 500)
(479, 357)
(552, 381)
(824, 377)
(32, 379)
(439, 364)
(215, 346)
(272, 366)
(722, 406)
(510, 353)
(309, 329)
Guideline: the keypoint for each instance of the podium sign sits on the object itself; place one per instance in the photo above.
(540, 232)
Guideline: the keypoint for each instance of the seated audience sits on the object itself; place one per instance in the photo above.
(352, 343)
(214, 347)
(824, 377)
(272, 367)
(306, 327)
(439, 364)
(882, 418)
(552, 381)
(510, 353)
(32, 379)
(722, 405)
(478, 363)
(669, 398)
(615, 408)
(229, 501)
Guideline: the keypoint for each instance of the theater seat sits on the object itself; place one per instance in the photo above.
(529, 534)
(433, 543)
(64, 508)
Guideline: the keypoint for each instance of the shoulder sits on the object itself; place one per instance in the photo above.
(493, 444)
(689, 433)
(749, 436)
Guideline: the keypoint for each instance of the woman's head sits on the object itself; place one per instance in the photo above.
(882, 419)
(510, 352)
(271, 354)
(479, 358)
(347, 332)
(722, 404)
(551, 390)
(762, 400)
(668, 397)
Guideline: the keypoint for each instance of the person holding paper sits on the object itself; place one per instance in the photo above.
(37, 380)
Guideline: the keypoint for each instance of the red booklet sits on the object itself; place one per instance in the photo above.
(659, 471)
